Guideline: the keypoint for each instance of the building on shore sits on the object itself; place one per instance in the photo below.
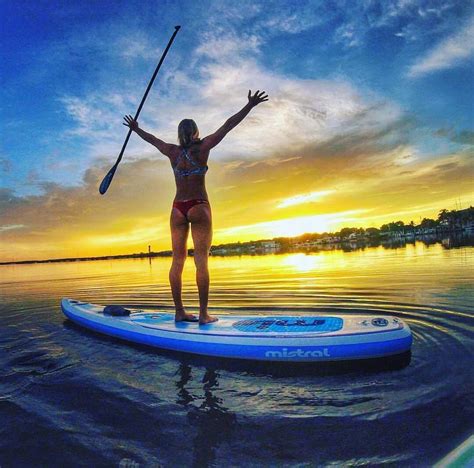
(270, 245)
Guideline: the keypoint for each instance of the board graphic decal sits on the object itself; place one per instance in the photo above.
(290, 324)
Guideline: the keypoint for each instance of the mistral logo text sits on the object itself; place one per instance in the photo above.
(284, 353)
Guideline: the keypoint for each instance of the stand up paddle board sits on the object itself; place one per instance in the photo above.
(331, 337)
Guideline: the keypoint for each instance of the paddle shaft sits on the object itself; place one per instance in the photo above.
(108, 178)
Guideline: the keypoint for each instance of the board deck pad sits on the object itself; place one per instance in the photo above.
(245, 325)
(290, 324)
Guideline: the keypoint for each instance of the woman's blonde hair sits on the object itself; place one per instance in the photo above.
(187, 132)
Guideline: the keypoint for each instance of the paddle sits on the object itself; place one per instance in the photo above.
(110, 175)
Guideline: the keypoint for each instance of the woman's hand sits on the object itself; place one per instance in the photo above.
(130, 122)
(257, 98)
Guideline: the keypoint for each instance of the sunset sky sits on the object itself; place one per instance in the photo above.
(370, 117)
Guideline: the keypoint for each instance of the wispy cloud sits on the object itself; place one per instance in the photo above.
(10, 227)
(409, 17)
(464, 137)
(5, 164)
(349, 34)
(227, 45)
(304, 198)
(286, 19)
(449, 53)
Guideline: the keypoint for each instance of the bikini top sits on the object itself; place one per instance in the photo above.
(196, 169)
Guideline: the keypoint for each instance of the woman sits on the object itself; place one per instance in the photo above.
(191, 203)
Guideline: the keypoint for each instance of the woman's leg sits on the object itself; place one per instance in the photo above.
(201, 229)
(179, 236)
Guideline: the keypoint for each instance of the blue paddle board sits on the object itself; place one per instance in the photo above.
(325, 337)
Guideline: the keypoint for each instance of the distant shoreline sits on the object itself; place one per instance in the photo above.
(166, 253)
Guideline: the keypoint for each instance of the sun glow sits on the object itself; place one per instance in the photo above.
(303, 263)
(289, 227)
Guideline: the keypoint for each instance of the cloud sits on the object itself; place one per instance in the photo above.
(269, 17)
(464, 137)
(218, 46)
(5, 164)
(409, 19)
(299, 111)
(9, 227)
(449, 53)
(349, 34)
(284, 18)
(304, 198)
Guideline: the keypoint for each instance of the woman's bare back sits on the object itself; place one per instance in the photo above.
(192, 185)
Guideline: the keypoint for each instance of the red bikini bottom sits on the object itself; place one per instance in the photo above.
(185, 205)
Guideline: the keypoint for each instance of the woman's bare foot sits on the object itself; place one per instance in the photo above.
(204, 320)
(182, 316)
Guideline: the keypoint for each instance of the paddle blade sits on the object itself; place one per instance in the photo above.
(107, 180)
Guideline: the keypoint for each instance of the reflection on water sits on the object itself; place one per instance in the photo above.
(68, 396)
(213, 422)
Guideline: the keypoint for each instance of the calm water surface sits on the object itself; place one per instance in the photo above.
(72, 398)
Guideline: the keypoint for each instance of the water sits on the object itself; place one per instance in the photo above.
(72, 398)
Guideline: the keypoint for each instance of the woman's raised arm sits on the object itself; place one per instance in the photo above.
(164, 148)
(214, 139)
